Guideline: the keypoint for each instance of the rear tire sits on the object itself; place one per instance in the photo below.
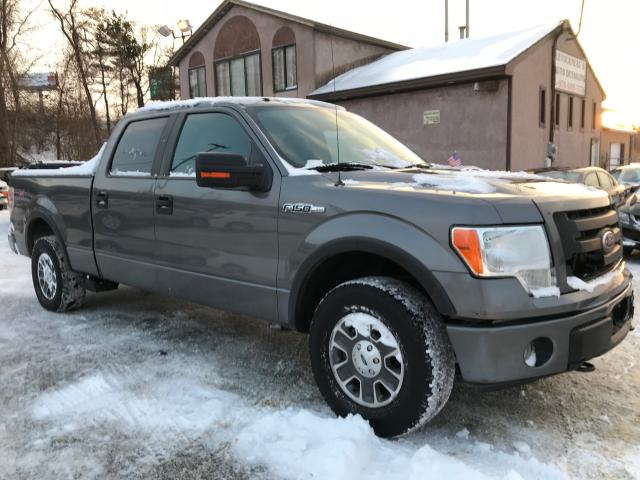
(57, 287)
(368, 331)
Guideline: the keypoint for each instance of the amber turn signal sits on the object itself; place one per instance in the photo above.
(467, 244)
(215, 175)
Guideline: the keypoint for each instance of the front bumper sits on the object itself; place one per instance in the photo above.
(496, 354)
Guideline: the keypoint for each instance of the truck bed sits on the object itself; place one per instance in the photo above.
(69, 197)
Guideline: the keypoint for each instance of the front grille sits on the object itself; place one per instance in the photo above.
(581, 233)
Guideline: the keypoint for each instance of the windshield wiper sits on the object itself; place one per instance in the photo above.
(342, 167)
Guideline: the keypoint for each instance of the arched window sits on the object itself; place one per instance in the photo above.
(197, 76)
(236, 56)
(283, 53)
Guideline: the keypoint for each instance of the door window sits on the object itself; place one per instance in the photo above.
(605, 180)
(592, 180)
(137, 147)
(207, 132)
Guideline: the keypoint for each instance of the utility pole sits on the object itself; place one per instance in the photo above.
(446, 20)
(466, 30)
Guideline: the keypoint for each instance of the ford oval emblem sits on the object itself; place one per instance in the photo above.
(608, 241)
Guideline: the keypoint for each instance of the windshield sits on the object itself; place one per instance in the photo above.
(631, 175)
(306, 138)
(563, 175)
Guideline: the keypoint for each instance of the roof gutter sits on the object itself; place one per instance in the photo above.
(469, 76)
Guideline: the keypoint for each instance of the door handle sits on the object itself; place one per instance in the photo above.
(164, 205)
(102, 200)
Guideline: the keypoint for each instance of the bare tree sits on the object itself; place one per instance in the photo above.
(13, 24)
(71, 25)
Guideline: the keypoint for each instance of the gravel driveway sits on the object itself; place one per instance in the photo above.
(135, 385)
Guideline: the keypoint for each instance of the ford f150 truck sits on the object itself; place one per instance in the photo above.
(404, 274)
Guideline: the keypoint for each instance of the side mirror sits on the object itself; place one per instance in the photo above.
(231, 170)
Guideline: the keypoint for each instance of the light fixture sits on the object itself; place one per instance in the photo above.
(165, 31)
(184, 26)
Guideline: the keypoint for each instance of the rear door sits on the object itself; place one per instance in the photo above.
(216, 246)
(123, 202)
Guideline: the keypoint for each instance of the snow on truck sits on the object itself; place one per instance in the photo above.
(404, 274)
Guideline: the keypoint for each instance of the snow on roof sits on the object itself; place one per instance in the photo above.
(454, 57)
(213, 101)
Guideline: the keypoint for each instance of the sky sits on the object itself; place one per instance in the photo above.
(610, 33)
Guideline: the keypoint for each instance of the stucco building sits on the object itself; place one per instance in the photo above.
(247, 49)
(500, 102)
(618, 147)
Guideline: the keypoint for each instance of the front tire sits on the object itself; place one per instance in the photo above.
(57, 287)
(379, 349)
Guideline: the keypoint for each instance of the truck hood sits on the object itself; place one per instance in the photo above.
(485, 184)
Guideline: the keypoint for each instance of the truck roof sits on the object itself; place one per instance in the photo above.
(231, 101)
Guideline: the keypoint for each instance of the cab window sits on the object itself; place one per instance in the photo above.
(207, 132)
(137, 147)
(592, 180)
(605, 180)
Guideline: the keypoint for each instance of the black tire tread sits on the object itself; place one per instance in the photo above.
(73, 293)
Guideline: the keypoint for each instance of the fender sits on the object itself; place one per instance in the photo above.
(405, 244)
(44, 209)
(37, 213)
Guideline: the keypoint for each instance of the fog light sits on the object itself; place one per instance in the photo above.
(538, 352)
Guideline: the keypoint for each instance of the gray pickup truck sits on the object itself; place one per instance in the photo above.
(404, 274)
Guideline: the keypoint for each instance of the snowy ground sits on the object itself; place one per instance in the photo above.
(138, 386)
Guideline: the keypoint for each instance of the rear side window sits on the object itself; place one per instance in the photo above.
(137, 147)
(605, 180)
(208, 132)
(591, 180)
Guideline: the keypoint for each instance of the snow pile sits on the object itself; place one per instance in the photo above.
(590, 286)
(88, 168)
(180, 408)
(303, 444)
(213, 101)
(456, 183)
(545, 292)
(464, 55)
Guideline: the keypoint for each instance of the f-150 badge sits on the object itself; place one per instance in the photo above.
(302, 208)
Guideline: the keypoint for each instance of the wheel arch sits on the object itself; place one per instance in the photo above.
(39, 225)
(355, 257)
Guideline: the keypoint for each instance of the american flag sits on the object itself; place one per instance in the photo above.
(455, 160)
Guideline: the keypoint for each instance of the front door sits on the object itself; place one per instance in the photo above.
(216, 246)
(123, 203)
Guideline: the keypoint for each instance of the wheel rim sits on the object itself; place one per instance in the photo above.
(47, 276)
(366, 360)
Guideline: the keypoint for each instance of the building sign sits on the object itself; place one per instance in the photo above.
(161, 83)
(571, 74)
(39, 81)
(431, 117)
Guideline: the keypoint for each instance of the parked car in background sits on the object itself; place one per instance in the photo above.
(628, 174)
(5, 172)
(4, 195)
(629, 215)
(593, 177)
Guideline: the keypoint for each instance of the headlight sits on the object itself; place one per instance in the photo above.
(624, 217)
(521, 252)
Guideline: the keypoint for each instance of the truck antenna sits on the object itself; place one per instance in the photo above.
(339, 183)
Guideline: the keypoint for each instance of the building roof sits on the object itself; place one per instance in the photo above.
(227, 5)
(467, 59)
